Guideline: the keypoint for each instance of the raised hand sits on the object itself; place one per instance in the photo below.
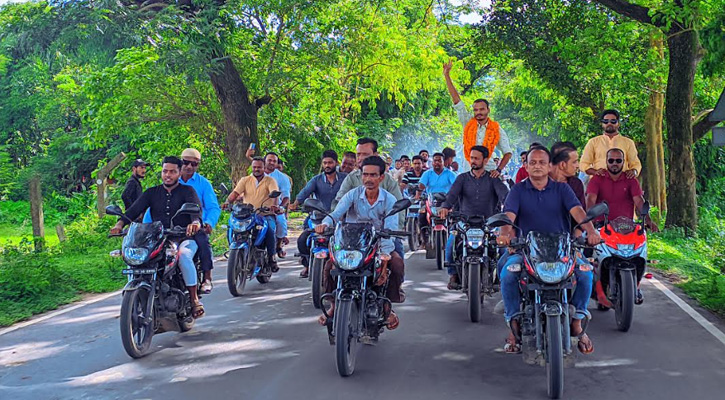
(447, 68)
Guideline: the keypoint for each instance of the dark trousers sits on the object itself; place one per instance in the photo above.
(302, 247)
(204, 252)
(395, 279)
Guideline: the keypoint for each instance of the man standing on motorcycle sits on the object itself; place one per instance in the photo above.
(324, 186)
(371, 203)
(436, 180)
(163, 201)
(255, 190)
(622, 194)
(474, 193)
(594, 158)
(541, 204)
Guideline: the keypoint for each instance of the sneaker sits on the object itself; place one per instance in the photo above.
(206, 287)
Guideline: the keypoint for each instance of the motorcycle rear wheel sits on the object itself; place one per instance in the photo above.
(554, 357)
(237, 272)
(135, 336)
(345, 321)
(624, 307)
(440, 250)
(411, 228)
(316, 271)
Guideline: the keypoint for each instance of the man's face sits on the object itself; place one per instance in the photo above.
(438, 164)
(480, 111)
(398, 164)
(406, 164)
(190, 166)
(477, 160)
(615, 162)
(170, 174)
(363, 151)
(271, 162)
(371, 176)
(417, 166)
(257, 168)
(348, 165)
(523, 159)
(610, 123)
(570, 166)
(424, 155)
(537, 164)
(329, 165)
(454, 166)
(139, 171)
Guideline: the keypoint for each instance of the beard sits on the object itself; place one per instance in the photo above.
(476, 167)
(329, 171)
(614, 171)
(610, 129)
(171, 184)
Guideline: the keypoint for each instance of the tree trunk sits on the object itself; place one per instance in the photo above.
(36, 213)
(681, 200)
(240, 115)
(654, 170)
(101, 182)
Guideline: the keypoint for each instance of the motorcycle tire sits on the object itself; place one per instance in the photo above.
(316, 272)
(554, 357)
(440, 250)
(624, 306)
(410, 228)
(263, 279)
(135, 337)
(237, 273)
(345, 321)
(474, 292)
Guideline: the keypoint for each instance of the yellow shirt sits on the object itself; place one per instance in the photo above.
(256, 192)
(595, 153)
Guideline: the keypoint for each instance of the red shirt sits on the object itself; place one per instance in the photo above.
(521, 174)
(618, 194)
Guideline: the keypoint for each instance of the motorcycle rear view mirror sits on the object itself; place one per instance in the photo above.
(645, 209)
(439, 196)
(596, 212)
(189, 209)
(499, 220)
(114, 210)
(399, 206)
(313, 205)
(275, 194)
(224, 190)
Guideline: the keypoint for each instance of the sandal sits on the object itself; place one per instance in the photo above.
(393, 321)
(512, 347)
(197, 310)
(583, 346)
(304, 273)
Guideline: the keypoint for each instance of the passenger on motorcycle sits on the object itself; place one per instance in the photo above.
(325, 187)
(564, 166)
(622, 194)
(473, 193)
(436, 180)
(285, 186)
(164, 201)
(255, 189)
(541, 204)
(412, 177)
(370, 203)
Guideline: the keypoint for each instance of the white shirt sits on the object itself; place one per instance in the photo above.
(503, 146)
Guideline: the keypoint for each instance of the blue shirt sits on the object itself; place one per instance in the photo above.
(210, 209)
(437, 183)
(358, 209)
(283, 182)
(322, 189)
(546, 210)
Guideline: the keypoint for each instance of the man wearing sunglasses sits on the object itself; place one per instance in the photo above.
(594, 157)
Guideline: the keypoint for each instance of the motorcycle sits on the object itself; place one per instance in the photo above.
(436, 246)
(621, 260)
(246, 234)
(319, 251)
(412, 224)
(155, 299)
(549, 261)
(475, 256)
(361, 309)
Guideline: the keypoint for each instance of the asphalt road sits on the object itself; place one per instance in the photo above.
(267, 345)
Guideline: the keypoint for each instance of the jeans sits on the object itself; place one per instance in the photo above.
(187, 249)
(205, 251)
(449, 253)
(512, 295)
(269, 240)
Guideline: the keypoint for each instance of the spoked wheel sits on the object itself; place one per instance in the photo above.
(136, 329)
(474, 292)
(624, 306)
(316, 272)
(237, 273)
(346, 314)
(554, 357)
(440, 250)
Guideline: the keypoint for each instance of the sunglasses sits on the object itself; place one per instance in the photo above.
(615, 161)
(192, 163)
(610, 121)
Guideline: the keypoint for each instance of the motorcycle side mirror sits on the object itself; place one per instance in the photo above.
(313, 205)
(189, 209)
(224, 190)
(439, 196)
(645, 209)
(499, 220)
(596, 212)
(275, 194)
(114, 210)
(399, 206)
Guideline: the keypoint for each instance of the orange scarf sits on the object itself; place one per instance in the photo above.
(490, 141)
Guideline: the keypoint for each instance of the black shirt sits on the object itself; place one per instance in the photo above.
(476, 196)
(132, 191)
(164, 204)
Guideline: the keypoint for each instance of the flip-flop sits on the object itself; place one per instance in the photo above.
(582, 347)
(394, 321)
(304, 274)
(512, 348)
(197, 311)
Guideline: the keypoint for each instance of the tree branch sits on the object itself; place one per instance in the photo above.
(475, 77)
(701, 124)
(634, 11)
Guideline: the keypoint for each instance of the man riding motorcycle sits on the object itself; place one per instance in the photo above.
(370, 203)
(325, 187)
(540, 204)
(163, 201)
(255, 190)
(474, 193)
(436, 180)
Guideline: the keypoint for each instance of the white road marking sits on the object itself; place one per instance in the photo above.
(719, 335)
(408, 254)
(604, 363)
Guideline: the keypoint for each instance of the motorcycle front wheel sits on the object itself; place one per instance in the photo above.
(316, 272)
(474, 292)
(411, 228)
(440, 250)
(624, 307)
(345, 324)
(136, 334)
(237, 272)
(554, 357)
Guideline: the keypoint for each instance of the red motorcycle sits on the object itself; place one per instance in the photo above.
(438, 234)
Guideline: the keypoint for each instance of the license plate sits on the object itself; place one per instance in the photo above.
(138, 271)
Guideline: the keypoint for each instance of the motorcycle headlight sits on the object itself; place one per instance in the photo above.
(135, 255)
(348, 259)
(552, 272)
(627, 250)
(474, 238)
(240, 225)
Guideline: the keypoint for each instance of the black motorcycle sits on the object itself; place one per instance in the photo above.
(319, 245)
(361, 309)
(438, 233)
(475, 258)
(155, 299)
(549, 261)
